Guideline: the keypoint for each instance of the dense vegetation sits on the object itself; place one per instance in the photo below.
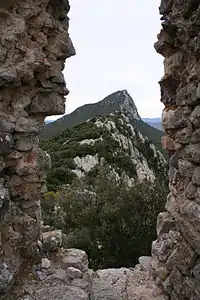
(113, 224)
(67, 145)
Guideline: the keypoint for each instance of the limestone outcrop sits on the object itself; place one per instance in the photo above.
(34, 43)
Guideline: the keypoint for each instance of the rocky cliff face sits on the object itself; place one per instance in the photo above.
(177, 248)
(113, 142)
(34, 44)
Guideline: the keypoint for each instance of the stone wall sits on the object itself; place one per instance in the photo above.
(34, 44)
(177, 250)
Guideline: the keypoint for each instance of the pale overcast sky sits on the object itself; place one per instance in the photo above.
(114, 50)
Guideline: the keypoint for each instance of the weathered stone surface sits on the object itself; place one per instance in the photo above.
(192, 153)
(190, 234)
(196, 176)
(178, 42)
(195, 138)
(123, 283)
(191, 212)
(165, 223)
(165, 7)
(190, 191)
(160, 269)
(182, 257)
(184, 136)
(186, 168)
(168, 143)
(195, 117)
(175, 118)
(45, 263)
(145, 263)
(74, 273)
(75, 258)
(25, 142)
(34, 43)
(52, 240)
(7, 273)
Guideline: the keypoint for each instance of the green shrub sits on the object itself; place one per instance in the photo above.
(113, 224)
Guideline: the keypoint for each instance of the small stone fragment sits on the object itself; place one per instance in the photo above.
(41, 275)
(145, 262)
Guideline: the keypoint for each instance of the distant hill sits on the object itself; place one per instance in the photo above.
(154, 122)
(117, 101)
(113, 102)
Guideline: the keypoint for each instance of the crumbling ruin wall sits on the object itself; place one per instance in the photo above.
(34, 44)
(177, 249)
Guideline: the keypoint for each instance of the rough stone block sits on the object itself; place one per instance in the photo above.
(195, 116)
(75, 258)
(190, 210)
(145, 262)
(165, 222)
(175, 117)
(177, 280)
(160, 269)
(52, 240)
(186, 168)
(195, 138)
(48, 104)
(26, 125)
(184, 136)
(74, 273)
(26, 142)
(168, 143)
(183, 257)
(191, 235)
(190, 191)
(171, 205)
(192, 153)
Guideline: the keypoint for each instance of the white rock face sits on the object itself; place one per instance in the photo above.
(90, 142)
(99, 123)
(129, 140)
(86, 163)
(158, 154)
(129, 105)
(121, 139)
(78, 173)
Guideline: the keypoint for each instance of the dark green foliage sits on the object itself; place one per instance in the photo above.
(67, 145)
(154, 135)
(113, 224)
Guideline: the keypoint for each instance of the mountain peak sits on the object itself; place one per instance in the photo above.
(122, 100)
(115, 102)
